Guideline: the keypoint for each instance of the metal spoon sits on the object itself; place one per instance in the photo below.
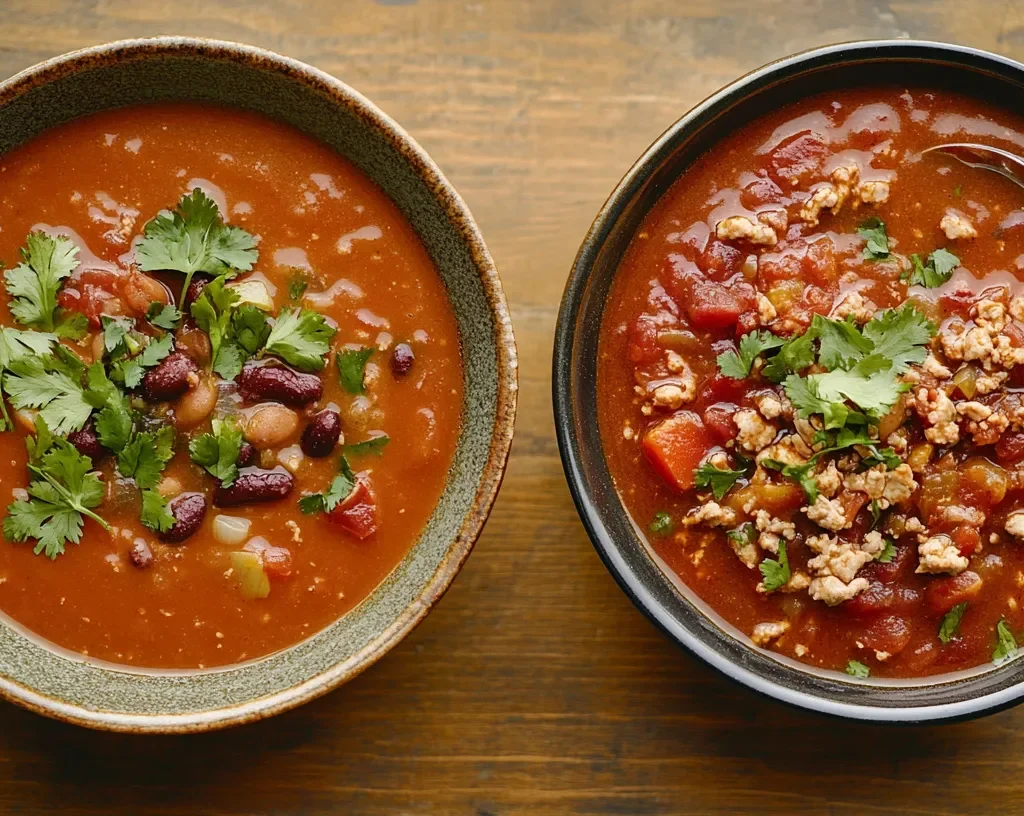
(1008, 165)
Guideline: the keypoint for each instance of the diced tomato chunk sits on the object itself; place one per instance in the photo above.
(358, 513)
(720, 388)
(759, 192)
(889, 634)
(798, 156)
(676, 446)
(942, 594)
(720, 261)
(718, 421)
(692, 242)
(277, 562)
(889, 573)
(1010, 447)
(967, 539)
(820, 262)
(643, 340)
(874, 600)
(958, 302)
(711, 306)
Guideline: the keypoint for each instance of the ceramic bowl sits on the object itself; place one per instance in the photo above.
(665, 600)
(173, 68)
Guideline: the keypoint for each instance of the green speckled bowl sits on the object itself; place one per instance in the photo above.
(175, 68)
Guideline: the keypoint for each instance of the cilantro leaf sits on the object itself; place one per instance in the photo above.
(156, 514)
(163, 315)
(951, 622)
(743, 535)
(62, 492)
(301, 338)
(718, 479)
(842, 344)
(114, 419)
(72, 325)
(888, 553)
(156, 350)
(804, 474)
(297, 286)
(661, 524)
(737, 365)
(1006, 647)
(935, 271)
(351, 365)
(340, 489)
(250, 328)
(375, 444)
(193, 239)
(145, 457)
(212, 313)
(775, 573)
(857, 669)
(16, 344)
(901, 336)
(33, 283)
(876, 240)
(793, 356)
(45, 383)
(217, 452)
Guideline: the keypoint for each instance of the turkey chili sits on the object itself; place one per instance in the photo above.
(232, 386)
(811, 384)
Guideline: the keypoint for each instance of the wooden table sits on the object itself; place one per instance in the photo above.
(535, 687)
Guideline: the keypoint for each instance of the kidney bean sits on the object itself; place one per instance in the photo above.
(87, 442)
(188, 510)
(140, 554)
(195, 288)
(170, 379)
(278, 384)
(322, 434)
(402, 359)
(255, 485)
(246, 456)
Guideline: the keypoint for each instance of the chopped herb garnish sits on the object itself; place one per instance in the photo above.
(804, 474)
(951, 622)
(155, 512)
(52, 384)
(145, 457)
(958, 191)
(857, 669)
(351, 365)
(743, 535)
(62, 492)
(33, 284)
(374, 444)
(793, 356)
(340, 488)
(876, 240)
(720, 480)
(297, 286)
(1006, 647)
(301, 338)
(934, 272)
(775, 573)
(193, 239)
(737, 365)
(163, 315)
(661, 524)
(888, 552)
(16, 344)
(212, 311)
(217, 452)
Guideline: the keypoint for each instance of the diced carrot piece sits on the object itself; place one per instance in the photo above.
(676, 446)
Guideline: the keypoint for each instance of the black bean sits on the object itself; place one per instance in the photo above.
(255, 485)
(188, 510)
(402, 359)
(170, 379)
(322, 434)
(278, 384)
(87, 442)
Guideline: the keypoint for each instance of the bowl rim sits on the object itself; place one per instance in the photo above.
(570, 446)
(492, 473)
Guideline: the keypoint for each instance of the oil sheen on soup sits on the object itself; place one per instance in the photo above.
(811, 372)
(233, 386)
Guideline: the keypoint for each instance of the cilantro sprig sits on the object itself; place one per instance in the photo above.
(217, 452)
(951, 622)
(876, 239)
(375, 444)
(351, 368)
(301, 338)
(737, 364)
(61, 495)
(934, 272)
(1006, 645)
(855, 668)
(33, 284)
(341, 488)
(720, 480)
(661, 524)
(194, 238)
(775, 573)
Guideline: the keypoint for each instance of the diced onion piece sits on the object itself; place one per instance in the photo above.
(291, 457)
(253, 582)
(231, 530)
(965, 380)
(255, 293)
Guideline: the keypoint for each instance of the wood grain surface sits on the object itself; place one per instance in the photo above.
(535, 687)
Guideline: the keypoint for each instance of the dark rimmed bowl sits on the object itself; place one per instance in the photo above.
(667, 602)
(73, 689)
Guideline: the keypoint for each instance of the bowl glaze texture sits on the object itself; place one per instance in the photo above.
(619, 542)
(71, 688)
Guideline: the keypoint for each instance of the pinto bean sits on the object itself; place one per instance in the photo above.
(188, 510)
(402, 359)
(255, 485)
(271, 425)
(170, 379)
(197, 404)
(278, 384)
(194, 342)
(139, 291)
(87, 442)
(322, 434)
